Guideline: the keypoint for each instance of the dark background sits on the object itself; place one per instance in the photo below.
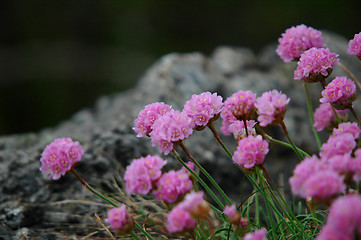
(57, 57)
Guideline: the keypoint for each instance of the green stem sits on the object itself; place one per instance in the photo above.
(209, 177)
(310, 114)
(215, 133)
(200, 180)
(86, 185)
(290, 140)
(336, 115)
(355, 116)
(271, 139)
(134, 235)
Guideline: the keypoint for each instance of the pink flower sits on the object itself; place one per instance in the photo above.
(271, 107)
(147, 116)
(171, 127)
(340, 93)
(233, 216)
(60, 156)
(203, 108)
(302, 172)
(179, 220)
(172, 185)
(142, 173)
(238, 130)
(240, 105)
(347, 127)
(120, 220)
(195, 204)
(259, 234)
(354, 46)
(296, 40)
(342, 164)
(338, 145)
(250, 151)
(330, 233)
(344, 218)
(315, 64)
(324, 118)
(322, 185)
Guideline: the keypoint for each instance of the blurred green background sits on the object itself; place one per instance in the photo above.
(57, 57)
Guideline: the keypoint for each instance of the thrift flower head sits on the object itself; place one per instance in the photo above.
(347, 127)
(233, 216)
(179, 220)
(195, 204)
(172, 185)
(241, 105)
(315, 64)
(147, 116)
(271, 107)
(203, 108)
(296, 40)
(239, 131)
(250, 151)
(330, 233)
(142, 173)
(120, 220)
(60, 156)
(344, 216)
(342, 164)
(338, 145)
(171, 127)
(259, 234)
(354, 46)
(324, 118)
(340, 93)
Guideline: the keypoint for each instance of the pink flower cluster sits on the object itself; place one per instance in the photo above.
(59, 157)
(259, 234)
(315, 62)
(324, 118)
(354, 46)
(271, 107)
(172, 127)
(235, 218)
(240, 105)
(238, 130)
(172, 185)
(147, 116)
(183, 216)
(344, 219)
(142, 173)
(311, 178)
(296, 40)
(347, 127)
(120, 220)
(250, 151)
(340, 93)
(338, 145)
(203, 107)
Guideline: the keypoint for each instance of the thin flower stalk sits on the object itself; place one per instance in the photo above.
(310, 114)
(352, 110)
(283, 126)
(350, 73)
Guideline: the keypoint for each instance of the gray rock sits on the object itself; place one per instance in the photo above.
(33, 205)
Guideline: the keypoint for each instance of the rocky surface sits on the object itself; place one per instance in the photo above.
(33, 206)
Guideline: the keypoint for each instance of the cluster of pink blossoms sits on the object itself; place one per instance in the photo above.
(271, 107)
(120, 220)
(250, 151)
(183, 216)
(146, 117)
(240, 105)
(354, 46)
(238, 130)
(340, 93)
(344, 219)
(142, 173)
(172, 185)
(170, 128)
(203, 108)
(259, 234)
(59, 157)
(315, 64)
(235, 218)
(296, 40)
(324, 118)
(311, 178)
